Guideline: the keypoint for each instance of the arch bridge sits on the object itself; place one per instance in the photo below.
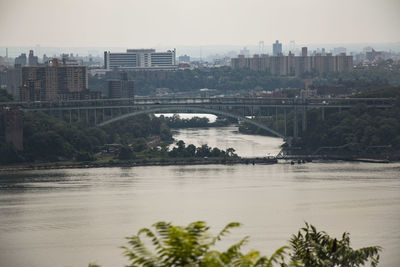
(101, 112)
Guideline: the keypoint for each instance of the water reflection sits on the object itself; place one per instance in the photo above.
(71, 217)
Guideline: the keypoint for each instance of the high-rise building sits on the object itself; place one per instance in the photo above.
(21, 60)
(343, 62)
(278, 65)
(276, 48)
(295, 65)
(52, 81)
(140, 59)
(13, 81)
(45, 59)
(120, 88)
(32, 59)
(291, 64)
(184, 59)
(304, 51)
(245, 52)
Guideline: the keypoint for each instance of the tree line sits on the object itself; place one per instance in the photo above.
(46, 138)
(228, 81)
(224, 80)
(366, 131)
(177, 122)
(191, 151)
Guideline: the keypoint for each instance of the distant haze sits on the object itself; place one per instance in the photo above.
(152, 23)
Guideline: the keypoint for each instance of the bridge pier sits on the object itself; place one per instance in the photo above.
(295, 123)
(284, 114)
(304, 121)
(95, 116)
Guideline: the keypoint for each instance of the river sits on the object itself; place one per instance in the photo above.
(71, 217)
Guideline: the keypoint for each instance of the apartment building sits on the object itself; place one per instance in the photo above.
(52, 81)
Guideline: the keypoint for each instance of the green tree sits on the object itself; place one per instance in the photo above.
(203, 151)
(125, 153)
(215, 152)
(230, 152)
(191, 246)
(317, 248)
(5, 96)
(139, 144)
(181, 146)
(191, 150)
(8, 154)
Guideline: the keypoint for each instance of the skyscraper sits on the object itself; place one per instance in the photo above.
(32, 60)
(304, 51)
(276, 48)
(21, 60)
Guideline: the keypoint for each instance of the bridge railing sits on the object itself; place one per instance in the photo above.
(190, 101)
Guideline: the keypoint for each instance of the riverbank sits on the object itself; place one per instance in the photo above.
(119, 163)
(309, 158)
(294, 159)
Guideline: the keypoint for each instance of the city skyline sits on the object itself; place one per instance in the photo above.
(176, 22)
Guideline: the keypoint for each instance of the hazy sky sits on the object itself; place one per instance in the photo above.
(147, 23)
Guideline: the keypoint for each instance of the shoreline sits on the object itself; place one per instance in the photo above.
(246, 161)
(177, 162)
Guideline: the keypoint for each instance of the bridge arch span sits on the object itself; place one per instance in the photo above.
(188, 109)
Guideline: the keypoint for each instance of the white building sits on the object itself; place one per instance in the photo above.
(140, 59)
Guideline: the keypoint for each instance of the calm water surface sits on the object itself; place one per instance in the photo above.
(225, 137)
(75, 216)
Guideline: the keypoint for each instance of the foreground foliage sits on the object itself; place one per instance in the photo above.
(317, 248)
(192, 245)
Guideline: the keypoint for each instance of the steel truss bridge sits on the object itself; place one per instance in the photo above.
(101, 112)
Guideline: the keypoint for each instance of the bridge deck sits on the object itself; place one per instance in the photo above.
(222, 101)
